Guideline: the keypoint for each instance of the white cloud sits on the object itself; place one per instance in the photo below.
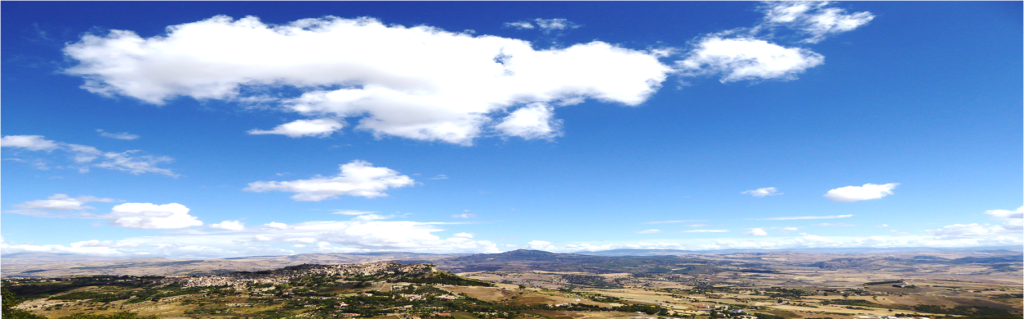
(805, 217)
(361, 236)
(357, 178)
(649, 231)
(813, 18)
(549, 25)
(440, 177)
(352, 236)
(545, 25)
(747, 53)
(83, 153)
(966, 231)
(36, 163)
(757, 232)
(464, 216)
(541, 245)
(762, 192)
(85, 156)
(82, 248)
(859, 193)
(535, 121)
(1010, 219)
(121, 136)
(705, 231)
(304, 240)
(1013, 226)
(418, 82)
(276, 225)
(127, 161)
(803, 240)
(102, 243)
(746, 58)
(519, 25)
(350, 212)
(29, 142)
(789, 229)
(301, 128)
(376, 235)
(882, 225)
(62, 202)
(151, 216)
(233, 225)
(369, 217)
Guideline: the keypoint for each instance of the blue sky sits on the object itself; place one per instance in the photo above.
(190, 130)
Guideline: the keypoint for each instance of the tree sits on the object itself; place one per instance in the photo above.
(9, 301)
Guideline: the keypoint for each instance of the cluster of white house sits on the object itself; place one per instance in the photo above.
(241, 280)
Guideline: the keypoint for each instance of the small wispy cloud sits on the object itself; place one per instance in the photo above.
(371, 217)
(85, 156)
(521, 25)
(803, 217)
(232, 225)
(350, 212)
(762, 192)
(816, 20)
(303, 128)
(121, 136)
(649, 231)
(439, 176)
(705, 231)
(545, 25)
(464, 216)
(757, 232)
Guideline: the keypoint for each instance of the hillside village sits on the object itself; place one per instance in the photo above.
(240, 280)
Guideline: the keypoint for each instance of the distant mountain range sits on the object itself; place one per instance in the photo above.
(661, 252)
(521, 254)
(635, 261)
